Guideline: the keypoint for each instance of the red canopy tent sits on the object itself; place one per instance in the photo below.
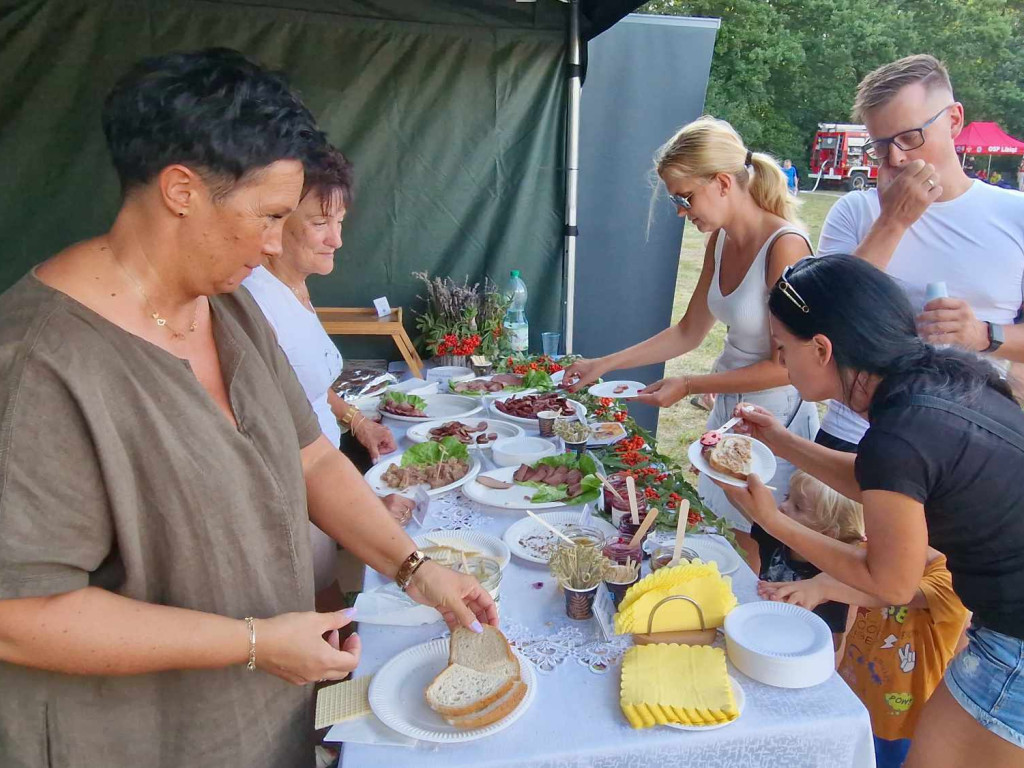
(980, 138)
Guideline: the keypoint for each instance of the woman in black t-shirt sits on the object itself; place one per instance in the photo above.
(942, 462)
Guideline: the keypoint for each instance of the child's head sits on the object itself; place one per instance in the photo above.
(822, 509)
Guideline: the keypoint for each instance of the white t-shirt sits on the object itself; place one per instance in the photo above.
(973, 243)
(312, 354)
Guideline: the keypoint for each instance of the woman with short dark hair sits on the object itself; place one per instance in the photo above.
(941, 463)
(160, 464)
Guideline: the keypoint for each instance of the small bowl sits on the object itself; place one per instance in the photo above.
(513, 451)
(446, 373)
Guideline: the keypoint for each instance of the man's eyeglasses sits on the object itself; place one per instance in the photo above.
(912, 139)
(790, 292)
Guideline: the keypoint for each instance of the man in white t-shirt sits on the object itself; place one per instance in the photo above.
(928, 223)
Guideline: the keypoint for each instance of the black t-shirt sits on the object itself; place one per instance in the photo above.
(778, 564)
(971, 482)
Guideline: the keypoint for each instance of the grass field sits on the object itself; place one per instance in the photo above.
(683, 423)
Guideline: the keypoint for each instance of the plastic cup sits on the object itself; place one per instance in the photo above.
(935, 291)
(549, 341)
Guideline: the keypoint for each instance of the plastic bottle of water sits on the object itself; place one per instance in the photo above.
(516, 326)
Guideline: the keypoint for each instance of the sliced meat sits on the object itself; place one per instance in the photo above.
(543, 472)
(507, 379)
(482, 440)
(558, 476)
(490, 482)
(521, 473)
(573, 491)
(574, 477)
(492, 436)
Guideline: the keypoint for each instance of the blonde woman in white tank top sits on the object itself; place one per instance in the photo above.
(738, 197)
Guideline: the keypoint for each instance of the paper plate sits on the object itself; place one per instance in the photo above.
(529, 540)
(762, 463)
(375, 474)
(531, 424)
(467, 540)
(741, 703)
(396, 696)
(607, 389)
(445, 407)
(420, 433)
(779, 644)
(709, 548)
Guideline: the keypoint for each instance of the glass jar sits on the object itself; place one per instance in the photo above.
(627, 529)
(583, 535)
(617, 507)
(662, 556)
(618, 550)
(485, 570)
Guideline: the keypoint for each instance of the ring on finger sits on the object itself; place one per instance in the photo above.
(931, 183)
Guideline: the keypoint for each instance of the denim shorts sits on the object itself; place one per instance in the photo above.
(987, 680)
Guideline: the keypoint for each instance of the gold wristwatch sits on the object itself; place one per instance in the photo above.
(408, 569)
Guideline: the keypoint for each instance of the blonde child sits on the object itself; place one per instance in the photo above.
(813, 504)
(895, 655)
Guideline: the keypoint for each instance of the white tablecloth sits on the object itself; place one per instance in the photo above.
(575, 719)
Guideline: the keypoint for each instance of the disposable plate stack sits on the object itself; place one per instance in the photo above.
(779, 644)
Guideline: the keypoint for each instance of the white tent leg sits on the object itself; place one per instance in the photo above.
(572, 162)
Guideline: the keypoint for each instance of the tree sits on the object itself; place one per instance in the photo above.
(782, 66)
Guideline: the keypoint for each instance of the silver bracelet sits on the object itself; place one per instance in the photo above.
(250, 622)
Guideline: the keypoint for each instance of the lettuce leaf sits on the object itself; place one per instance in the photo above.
(400, 397)
(540, 380)
(430, 453)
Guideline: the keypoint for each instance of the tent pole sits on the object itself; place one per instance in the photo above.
(989, 171)
(572, 162)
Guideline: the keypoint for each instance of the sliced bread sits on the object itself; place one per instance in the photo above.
(461, 690)
(487, 651)
(494, 712)
(732, 456)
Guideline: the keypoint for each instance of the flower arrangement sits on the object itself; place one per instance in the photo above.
(461, 319)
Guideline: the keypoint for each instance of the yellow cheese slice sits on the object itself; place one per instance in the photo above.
(669, 683)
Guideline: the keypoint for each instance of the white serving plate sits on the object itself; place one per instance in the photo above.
(517, 497)
(709, 548)
(530, 527)
(762, 463)
(470, 541)
(607, 389)
(499, 393)
(396, 696)
(447, 407)
(374, 477)
(779, 644)
(741, 703)
(511, 498)
(525, 449)
(530, 424)
(421, 432)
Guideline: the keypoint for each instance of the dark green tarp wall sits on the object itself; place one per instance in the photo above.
(452, 111)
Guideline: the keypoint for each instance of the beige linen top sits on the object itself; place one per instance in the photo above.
(118, 470)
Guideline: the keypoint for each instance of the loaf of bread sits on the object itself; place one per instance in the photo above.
(730, 456)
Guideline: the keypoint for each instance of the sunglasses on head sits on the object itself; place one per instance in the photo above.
(791, 293)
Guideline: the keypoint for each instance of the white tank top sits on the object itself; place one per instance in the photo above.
(745, 311)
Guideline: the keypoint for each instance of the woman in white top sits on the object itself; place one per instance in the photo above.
(738, 197)
(312, 234)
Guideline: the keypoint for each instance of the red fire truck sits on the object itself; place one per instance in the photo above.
(837, 156)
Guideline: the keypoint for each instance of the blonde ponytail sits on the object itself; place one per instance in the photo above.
(709, 146)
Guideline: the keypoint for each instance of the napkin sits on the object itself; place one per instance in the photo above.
(697, 580)
(669, 683)
(368, 729)
(388, 604)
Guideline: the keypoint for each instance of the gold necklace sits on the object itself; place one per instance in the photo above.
(153, 313)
